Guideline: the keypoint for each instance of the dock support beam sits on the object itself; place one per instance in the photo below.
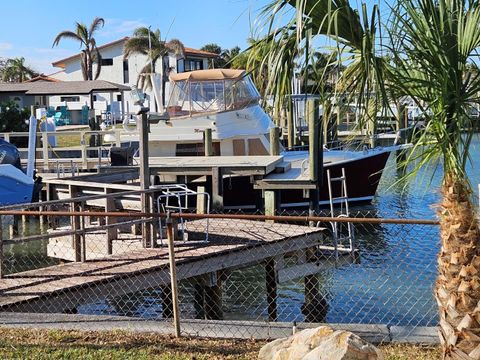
(207, 141)
(208, 297)
(217, 188)
(271, 285)
(274, 141)
(315, 150)
(145, 179)
(290, 126)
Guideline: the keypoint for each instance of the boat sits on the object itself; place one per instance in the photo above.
(15, 186)
(227, 102)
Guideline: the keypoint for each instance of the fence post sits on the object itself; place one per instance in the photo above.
(173, 276)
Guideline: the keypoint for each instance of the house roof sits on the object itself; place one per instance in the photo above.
(188, 51)
(62, 87)
(208, 75)
(42, 78)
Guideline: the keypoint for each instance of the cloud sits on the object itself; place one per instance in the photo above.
(119, 27)
(5, 46)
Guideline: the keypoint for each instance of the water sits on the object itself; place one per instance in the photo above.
(393, 284)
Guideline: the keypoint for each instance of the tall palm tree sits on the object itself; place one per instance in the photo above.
(15, 70)
(432, 43)
(149, 43)
(90, 53)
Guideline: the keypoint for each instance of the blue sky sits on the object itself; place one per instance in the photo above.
(27, 28)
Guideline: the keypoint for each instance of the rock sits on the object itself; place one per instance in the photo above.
(322, 343)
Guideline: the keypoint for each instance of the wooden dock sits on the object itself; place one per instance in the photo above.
(233, 244)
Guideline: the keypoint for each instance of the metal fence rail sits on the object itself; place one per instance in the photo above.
(254, 269)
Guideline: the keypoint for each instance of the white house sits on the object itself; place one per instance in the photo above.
(118, 70)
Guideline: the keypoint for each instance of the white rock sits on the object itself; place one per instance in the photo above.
(322, 343)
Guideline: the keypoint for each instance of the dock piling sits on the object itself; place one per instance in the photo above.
(207, 142)
(271, 285)
(274, 141)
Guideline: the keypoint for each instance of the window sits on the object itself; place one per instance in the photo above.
(193, 64)
(119, 97)
(126, 78)
(195, 149)
(94, 97)
(70, 98)
(107, 62)
(181, 65)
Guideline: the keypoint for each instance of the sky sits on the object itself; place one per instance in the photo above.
(28, 27)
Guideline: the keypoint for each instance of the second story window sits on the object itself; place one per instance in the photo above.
(107, 62)
(126, 77)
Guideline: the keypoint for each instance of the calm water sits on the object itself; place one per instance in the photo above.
(392, 284)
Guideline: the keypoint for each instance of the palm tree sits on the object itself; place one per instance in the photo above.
(15, 70)
(429, 59)
(90, 53)
(149, 43)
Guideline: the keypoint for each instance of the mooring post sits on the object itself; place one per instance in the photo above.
(173, 276)
(145, 179)
(217, 188)
(110, 220)
(207, 142)
(271, 285)
(315, 159)
(402, 128)
(290, 128)
(75, 225)
(1, 248)
(213, 297)
(274, 141)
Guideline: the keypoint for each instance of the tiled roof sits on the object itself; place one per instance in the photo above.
(62, 87)
(42, 78)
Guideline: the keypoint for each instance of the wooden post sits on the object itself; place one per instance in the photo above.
(401, 155)
(111, 232)
(75, 225)
(207, 142)
(217, 188)
(1, 249)
(173, 277)
(271, 285)
(315, 159)
(272, 201)
(213, 297)
(201, 200)
(145, 179)
(290, 127)
(274, 141)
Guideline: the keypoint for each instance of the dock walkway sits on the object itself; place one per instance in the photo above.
(233, 244)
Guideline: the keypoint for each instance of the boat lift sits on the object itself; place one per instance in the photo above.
(174, 198)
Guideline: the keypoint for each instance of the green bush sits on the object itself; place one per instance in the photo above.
(12, 118)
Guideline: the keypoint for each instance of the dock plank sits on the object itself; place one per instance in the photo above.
(233, 243)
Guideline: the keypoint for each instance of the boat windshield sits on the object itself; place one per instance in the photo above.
(190, 97)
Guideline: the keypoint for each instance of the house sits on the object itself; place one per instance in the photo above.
(118, 70)
(73, 96)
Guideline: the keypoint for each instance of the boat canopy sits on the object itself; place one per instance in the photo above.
(207, 91)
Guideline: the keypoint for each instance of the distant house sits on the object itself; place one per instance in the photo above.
(118, 70)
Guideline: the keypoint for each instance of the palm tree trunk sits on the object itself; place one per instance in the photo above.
(457, 289)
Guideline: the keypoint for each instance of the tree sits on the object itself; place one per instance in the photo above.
(15, 70)
(90, 53)
(218, 62)
(149, 43)
(428, 58)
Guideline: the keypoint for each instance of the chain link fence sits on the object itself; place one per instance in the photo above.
(236, 274)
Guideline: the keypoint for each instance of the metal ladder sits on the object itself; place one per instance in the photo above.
(343, 242)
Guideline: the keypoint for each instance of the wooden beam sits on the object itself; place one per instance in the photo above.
(271, 286)
(217, 188)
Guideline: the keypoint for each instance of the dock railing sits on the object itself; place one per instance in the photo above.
(67, 147)
(257, 275)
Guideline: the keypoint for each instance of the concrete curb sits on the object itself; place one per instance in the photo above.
(212, 328)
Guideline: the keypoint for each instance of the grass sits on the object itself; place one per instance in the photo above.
(55, 344)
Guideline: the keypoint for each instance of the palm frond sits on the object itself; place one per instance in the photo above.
(66, 35)
(96, 24)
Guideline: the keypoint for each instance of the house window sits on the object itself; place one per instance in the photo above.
(94, 97)
(70, 98)
(107, 62)
(119, 97)
(126, 78)
(180, 65)
(193, 64)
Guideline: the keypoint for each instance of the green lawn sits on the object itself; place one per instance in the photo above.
(42, 344)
